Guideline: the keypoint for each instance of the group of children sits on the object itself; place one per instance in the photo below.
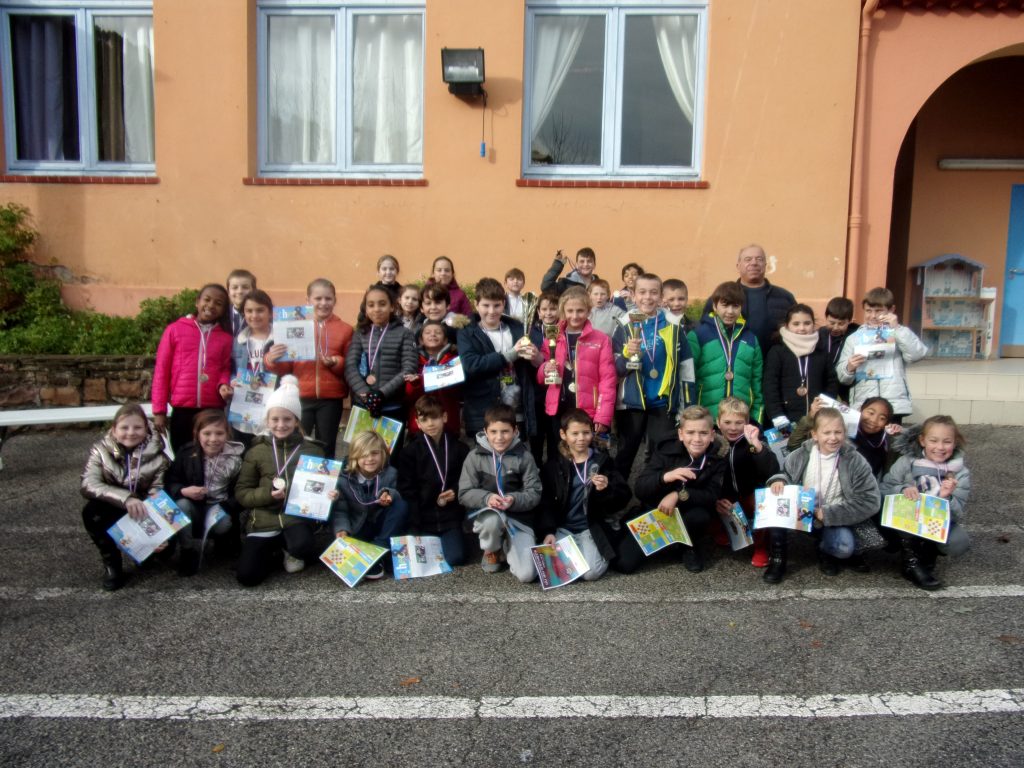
(539, 403)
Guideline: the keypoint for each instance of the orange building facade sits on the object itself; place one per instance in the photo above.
(716, 124)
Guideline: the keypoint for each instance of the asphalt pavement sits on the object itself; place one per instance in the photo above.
(663, 667)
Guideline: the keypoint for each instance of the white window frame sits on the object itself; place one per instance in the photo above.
(83, 12)
(615, 14)
(344, 12)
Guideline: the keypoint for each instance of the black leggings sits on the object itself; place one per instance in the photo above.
(635, 428)
(322, 417)
(262, 554)
(98, 516)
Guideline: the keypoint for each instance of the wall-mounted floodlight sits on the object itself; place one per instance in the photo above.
(463, 70)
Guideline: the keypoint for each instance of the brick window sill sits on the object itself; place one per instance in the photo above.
(263, 181)
(13, 178)
(611, 184)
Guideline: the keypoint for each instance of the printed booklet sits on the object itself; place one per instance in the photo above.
(314, 478)
(878, 345)
(558, 564)
(793, 508)
(349, 559)
(360, 420)
(655, 530)
(928, 517)
(851, 418)
(248, 402)
(140, 538)
(738, 528)
(416, 556)
(445, 375)
(293, 327)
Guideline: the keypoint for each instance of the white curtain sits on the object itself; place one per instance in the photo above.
(301, 89)
(387, 89)
(136, 35)
(556, 39)
(677, 45)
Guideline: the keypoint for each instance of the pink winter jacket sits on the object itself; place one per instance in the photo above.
(176, 376)
(594, 374)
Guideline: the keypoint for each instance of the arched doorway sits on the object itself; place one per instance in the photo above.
(974, 116)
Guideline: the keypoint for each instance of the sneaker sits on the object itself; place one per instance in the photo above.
(375, 573)
(293, 564)
(491, 562)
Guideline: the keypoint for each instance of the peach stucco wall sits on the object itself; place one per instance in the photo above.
(977, 113)
(913, 53)
(778, 131)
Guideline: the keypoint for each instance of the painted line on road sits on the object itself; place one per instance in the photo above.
(372, 595)
(244, 708)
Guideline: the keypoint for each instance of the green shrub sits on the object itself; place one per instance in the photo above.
(694, 310)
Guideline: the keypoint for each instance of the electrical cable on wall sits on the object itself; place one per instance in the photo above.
(483, 127)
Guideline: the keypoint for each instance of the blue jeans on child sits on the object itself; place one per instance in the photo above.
(838, 541)
(392, 520)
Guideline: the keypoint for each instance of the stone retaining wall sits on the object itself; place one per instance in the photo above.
(28, 381)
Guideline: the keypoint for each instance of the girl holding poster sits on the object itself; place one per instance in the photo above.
(322, 385)
(846, 495)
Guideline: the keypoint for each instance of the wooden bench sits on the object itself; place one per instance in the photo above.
(34, 417)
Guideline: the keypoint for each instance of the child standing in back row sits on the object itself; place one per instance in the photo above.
(193, 365)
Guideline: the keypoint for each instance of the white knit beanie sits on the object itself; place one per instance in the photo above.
(286, 396)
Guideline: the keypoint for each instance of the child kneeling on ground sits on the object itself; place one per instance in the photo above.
(370, 508)
(501, 487)
(846, 496)
(684, 472)
(263, 485)
(582, 489)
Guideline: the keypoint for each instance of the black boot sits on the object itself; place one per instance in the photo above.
(692, 560)
(113, 573)
(914, 571)
(927, 554)
(776, 569)
(828, 564)
(857, 562)
(188, 562)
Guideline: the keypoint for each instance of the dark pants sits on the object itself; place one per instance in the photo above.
(179, 426)
(380, 526)
(98, 516)
(629, 555)
(320, 419)
(453, 545)
(636, 427)
(262, 555)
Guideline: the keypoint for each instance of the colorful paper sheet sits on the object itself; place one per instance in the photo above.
(414, 557)
(558, 564)
(349, 559)
(928, 517)
(655, 530)
(793, 509)
(140, 538)
(314, 479)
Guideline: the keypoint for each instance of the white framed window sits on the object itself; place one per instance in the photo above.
(340, 88)
(614, 89)
(78, 87)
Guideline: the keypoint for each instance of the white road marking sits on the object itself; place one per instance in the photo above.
(244, 708)
(385, 595)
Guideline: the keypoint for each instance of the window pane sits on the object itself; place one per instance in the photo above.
(567, 91)
(45, 87)
(387, 89)
(658, 87)
(124, 88)
(301, 88)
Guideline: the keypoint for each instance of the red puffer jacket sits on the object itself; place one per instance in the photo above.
(176, 376)
(594, 374)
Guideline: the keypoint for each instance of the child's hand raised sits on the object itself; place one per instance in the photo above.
(893, 429)
(385, 499)
(777, 487)
(946, 487)
(753, 435)
(816, 405)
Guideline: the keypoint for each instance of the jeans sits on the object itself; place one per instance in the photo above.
(190, 537)
(389, 521)
(838, 541)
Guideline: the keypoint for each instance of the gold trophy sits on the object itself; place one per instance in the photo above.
(531, 302)
(551, 336)
(636, 320)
